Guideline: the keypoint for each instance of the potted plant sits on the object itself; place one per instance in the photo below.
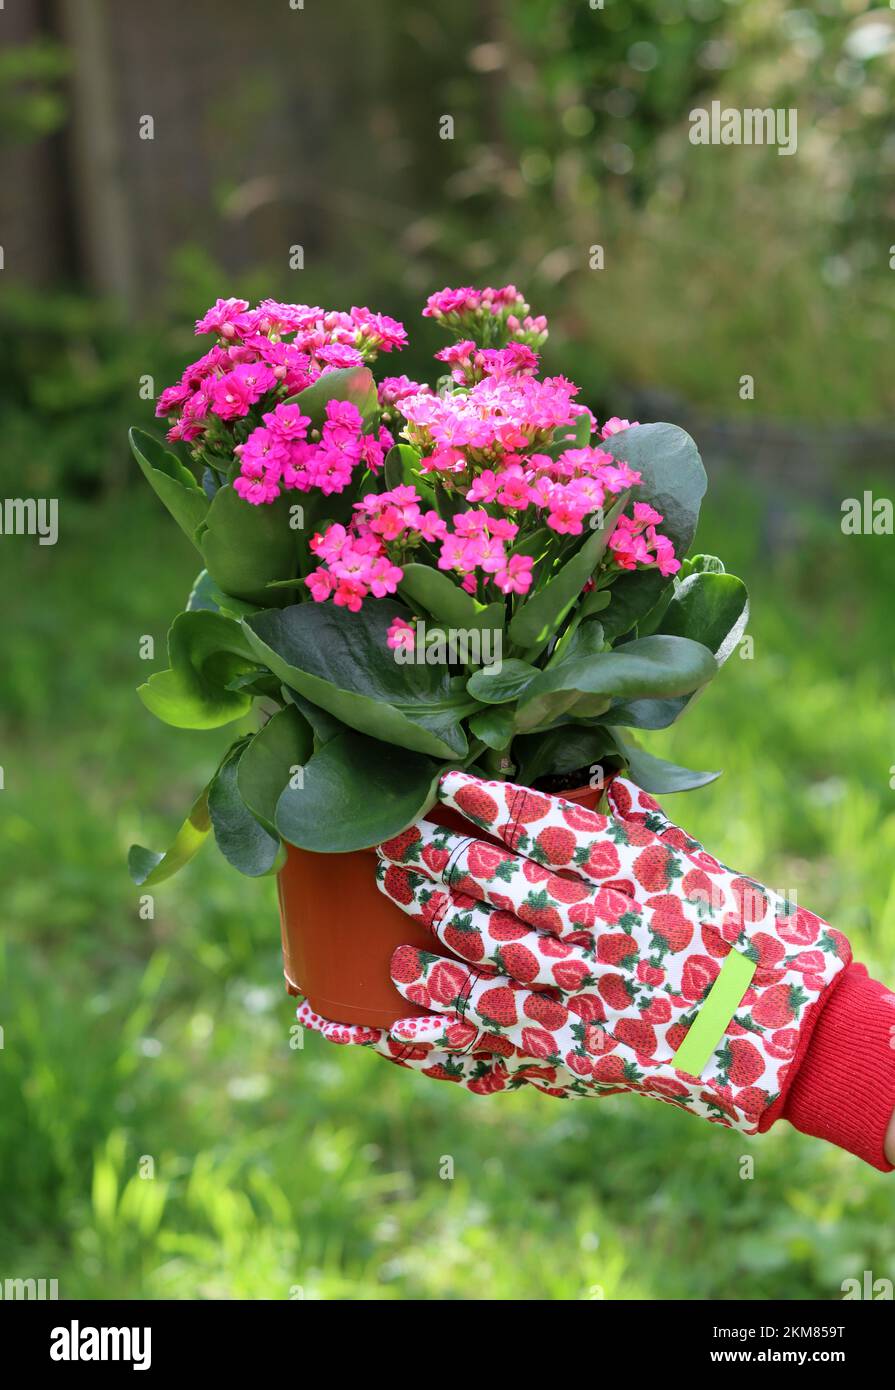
(400, 578)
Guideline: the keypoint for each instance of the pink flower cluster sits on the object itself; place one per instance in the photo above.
(498, 417)
(566, 490)
(252, 359)
(635, 541)
(362, 559)
(487, 314)
(278, 455)
(470, 363)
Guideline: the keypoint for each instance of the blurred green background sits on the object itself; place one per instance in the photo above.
(132, 1045)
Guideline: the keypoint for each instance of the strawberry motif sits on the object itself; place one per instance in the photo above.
(537, 911)
(778, 1005)
(407, 964)
(610, 905)
(497, 1007)
(527, 806)
(598, 860)
(614, 1069)
(398, 884)
(656, 868)
(566, 890)
(484, 860)
(477, 804)
(548, 1012)
(588, 1007)
(597, 1040)
(714, 942)
(571, 975)
(496, 1042)
(615, 948)
(783, 1043)
(435, 858)
(537, 1042)
(801, 928)
(446, 981)
(637, 1034)
(699, 974)
(517, 961)
(752, 1101)
(616, 990)
(675, 1035)
(580, 818)
(668, 924)
(505, 926)
(485, 1085)
(405, 847)
(464, 938)
(460, 1034)
(553, 845)
(658, 1010)
(741, 1060)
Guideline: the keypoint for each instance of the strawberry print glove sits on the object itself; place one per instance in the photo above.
(459, 1060)
(611, 952)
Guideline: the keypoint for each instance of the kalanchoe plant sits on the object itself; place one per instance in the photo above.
(403, 578)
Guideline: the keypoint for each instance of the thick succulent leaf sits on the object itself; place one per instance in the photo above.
(497, 685)
(354, 793)
(709, 607)
(245, 547)
(207, 652)
(284, 744)
(439, 595)
(147, 867)
(658, 776)
(354, 384)
(341, 661)
(170, 480)
(241, 838)
(659, 666)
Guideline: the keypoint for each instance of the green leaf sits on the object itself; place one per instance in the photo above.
(354, 384)
(542, 615)
(494, 726)
(206, 652)
(709, 607)
(285, 743)
(650, 666)
(439, 594)
(560, 751)
(402, 468)
(172, 481)
(148, 868)
(342, 662)
(324, 725)
(672, 476)
(496, 685)
(673, 481)
(245, 547)
(205, 595)
(356, 792)
(242, 840)
(658, 776)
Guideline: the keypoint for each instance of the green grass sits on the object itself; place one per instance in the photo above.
(136, 1046)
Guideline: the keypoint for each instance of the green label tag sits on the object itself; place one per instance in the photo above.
(719, 1007)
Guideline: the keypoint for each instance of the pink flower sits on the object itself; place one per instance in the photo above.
(320, 583)
(228, 318)
(515, 577)
(615, 426)
(401, 634)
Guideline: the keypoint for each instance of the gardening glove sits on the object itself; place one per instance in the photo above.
(617, 954)
(459, 1060)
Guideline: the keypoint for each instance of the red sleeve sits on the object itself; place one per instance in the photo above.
(842, 1086)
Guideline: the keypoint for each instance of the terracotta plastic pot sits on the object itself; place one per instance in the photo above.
(339, 931)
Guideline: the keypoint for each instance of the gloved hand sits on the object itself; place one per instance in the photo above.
(612, 952)
(459, 1059)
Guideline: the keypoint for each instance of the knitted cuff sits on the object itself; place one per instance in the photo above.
(843, 1088)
